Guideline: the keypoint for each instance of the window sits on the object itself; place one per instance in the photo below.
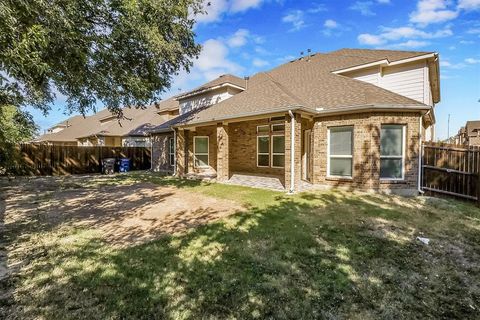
(278, 151)
(200, 150)
(263, 154)
(171, 151)
(392, 152)
(279, 127)
(340, 152)
(263, 129)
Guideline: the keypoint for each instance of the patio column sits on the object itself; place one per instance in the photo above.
(297, 149)
(222, 152)
(180, 153)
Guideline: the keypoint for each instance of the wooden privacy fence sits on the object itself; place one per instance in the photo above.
(451, 170)
(37, 159)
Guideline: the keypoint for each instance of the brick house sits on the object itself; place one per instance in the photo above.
(352, 118)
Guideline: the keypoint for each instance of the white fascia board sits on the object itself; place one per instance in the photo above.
(386, 63)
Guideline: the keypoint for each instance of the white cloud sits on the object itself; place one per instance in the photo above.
(259, 63)
(473, 31)
(410, 44)
(331, 24)
(472, 61)
(242, 5)
(296, 19)
(370, 39)
(215, 9)
(364, 7)
(394, 34)
(383, 1)
(319, 7)
(239, 38)
(467, 42)
(469, 4)
(214, 56)
(432, 11)
(447, 64)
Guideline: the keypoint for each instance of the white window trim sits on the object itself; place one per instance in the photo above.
(263, 153)
(265, 125)
(171, 141)
(404, 139)
(201, 154)
(339, 156)
(277, 153)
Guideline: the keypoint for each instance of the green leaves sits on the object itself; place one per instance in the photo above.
(116, 52)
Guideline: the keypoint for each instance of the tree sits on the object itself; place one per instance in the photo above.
(15, 126)
(118, 52)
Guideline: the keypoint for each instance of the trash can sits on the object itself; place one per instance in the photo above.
(124, 165)
(108, 165)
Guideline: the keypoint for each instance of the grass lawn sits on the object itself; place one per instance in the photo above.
(319, 255)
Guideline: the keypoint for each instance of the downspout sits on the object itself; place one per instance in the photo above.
(151, 152)
(292, 152)
(420, 154)
(175, 152)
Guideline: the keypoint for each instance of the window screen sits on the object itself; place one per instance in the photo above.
(201, 151)
(392, 151)
(340, 146)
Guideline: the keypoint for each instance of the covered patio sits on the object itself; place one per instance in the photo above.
(256, 152)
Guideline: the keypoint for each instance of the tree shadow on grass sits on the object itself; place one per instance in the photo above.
(291, 260)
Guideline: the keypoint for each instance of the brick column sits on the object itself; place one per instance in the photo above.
(222, 152)
(180, 153)
(288, 151)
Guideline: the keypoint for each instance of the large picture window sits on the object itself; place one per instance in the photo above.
(171, 151)
(200, 150)
(263, 153)
(340, 152)
(392, 152)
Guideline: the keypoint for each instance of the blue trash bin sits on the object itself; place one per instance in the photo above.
(124, 165)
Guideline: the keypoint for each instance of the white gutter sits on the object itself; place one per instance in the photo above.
(292, 152)
(175, 152)
(151, 152)
(420, 153)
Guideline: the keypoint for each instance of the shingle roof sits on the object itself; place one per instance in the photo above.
(376, 55)
(310, 83)
(135, 122)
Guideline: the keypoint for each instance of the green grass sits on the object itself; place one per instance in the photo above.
(327, 255)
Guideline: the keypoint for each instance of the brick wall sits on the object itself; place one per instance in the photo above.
(160, 153)
(223, 152)
(366, 153)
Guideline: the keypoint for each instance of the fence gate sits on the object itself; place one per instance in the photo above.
(451, 170)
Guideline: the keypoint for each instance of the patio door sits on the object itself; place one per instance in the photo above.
(306, 155)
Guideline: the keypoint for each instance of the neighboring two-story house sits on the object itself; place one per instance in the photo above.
(353, 118)
(469, 135)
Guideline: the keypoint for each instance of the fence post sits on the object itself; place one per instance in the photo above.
(477, 152)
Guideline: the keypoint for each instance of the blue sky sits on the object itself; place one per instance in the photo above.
(243, 37)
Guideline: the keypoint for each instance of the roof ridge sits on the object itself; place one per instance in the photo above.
(284, 89)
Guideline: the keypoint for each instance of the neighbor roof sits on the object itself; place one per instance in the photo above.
(472, 127)
(136, 122)
(306, 83)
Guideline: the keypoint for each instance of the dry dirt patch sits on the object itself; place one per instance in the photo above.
(124, 214)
